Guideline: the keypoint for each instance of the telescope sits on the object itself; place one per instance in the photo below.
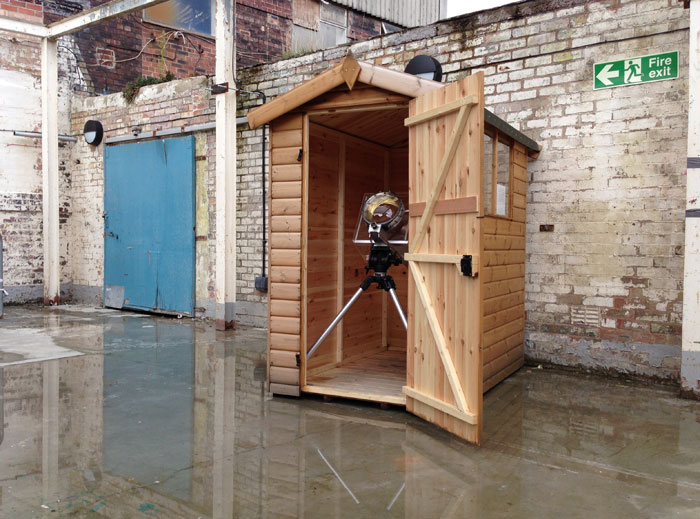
(386, 218)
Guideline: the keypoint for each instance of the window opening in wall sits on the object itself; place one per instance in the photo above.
(188, 15)
(333, 25)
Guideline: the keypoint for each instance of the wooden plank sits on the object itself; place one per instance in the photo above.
(291, 223)
(497, 242)
(285, 308)
(497, 304)
(357, 97)
(519, 200)
(443, 170)
(304, 246)
(284, 389)
(284, 341)
(286, 172)
(493, 336)
(285, 257)
(285, 155)
(502, 272)
(468, 204)
(433, 258)
(518, 215)
(504, 317)
(285, 206)
(290, 325)
(399, 82)
(290, 291)
(512, 342)
(519, 187)
(286, 189)
(438, 336)
(285, 240)
(467, 417)
(286, 138)
(288, 376)
(519, 172)
(501, 257)
(340, 239)
(281, 358)
(287, 122)
(497, 225)
(285, 275)
(499, 288)
(295, 97)
(455, 259)
(441, 110)
(520, 158)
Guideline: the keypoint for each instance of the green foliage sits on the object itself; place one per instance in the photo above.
(294, 53)
(132, 88)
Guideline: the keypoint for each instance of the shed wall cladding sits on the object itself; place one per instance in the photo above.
(604, 289)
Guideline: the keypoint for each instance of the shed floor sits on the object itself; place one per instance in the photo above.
(379, 377)
(111, 414)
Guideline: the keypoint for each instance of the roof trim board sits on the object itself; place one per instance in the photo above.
(349, 71)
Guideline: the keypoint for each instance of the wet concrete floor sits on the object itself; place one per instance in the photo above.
(111, 414)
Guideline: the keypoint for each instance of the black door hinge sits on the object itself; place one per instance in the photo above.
(466, 265)
(298, 360)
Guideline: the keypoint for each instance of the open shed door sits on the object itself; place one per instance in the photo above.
(444, 365)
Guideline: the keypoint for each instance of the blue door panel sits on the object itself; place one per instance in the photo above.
(149, 225)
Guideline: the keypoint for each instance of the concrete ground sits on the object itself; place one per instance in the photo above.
(120, 415)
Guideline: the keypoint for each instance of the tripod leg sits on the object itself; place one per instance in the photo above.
(395, 298)
(335, 322)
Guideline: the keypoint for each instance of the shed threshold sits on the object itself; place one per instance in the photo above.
(378, 377)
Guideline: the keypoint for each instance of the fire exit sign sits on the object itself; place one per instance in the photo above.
(632, 71)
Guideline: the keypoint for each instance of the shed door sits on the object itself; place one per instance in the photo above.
(149, 225)
(444, 367)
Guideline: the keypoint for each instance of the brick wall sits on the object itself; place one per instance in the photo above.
(169, 105)
(604, 288)
(117, 51)
(20, 168)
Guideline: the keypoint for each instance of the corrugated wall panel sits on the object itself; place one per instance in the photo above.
(407, 13)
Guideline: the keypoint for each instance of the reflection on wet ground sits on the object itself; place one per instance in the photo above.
(132, 416)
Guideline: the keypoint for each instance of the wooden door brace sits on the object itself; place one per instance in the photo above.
(439, 337)
(464, 109)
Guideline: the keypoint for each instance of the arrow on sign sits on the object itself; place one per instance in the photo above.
(605, 75)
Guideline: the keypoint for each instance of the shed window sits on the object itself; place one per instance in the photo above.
(497, 175)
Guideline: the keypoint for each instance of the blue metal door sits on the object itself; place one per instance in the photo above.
(149, 225)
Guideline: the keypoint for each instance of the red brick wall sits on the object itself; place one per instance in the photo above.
(118, 51)
(30, 10)
(262, 36)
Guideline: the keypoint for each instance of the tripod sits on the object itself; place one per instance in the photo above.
(381, 257)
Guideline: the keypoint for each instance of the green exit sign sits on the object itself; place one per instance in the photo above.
(632, 71)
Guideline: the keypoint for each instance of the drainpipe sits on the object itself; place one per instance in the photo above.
(690, 361)
(261, 281)
(2, 290)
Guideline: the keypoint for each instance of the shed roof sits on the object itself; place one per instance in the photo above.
(349, 71)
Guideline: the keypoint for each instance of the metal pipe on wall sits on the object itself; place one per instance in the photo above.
(2, 290)
(261, 281)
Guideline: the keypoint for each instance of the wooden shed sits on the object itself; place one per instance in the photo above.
(359, 128)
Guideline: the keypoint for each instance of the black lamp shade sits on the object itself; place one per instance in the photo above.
(93, 132)
(425, 67)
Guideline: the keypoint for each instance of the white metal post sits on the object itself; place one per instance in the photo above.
(690, 362)
(49, 168)
(225, 166)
